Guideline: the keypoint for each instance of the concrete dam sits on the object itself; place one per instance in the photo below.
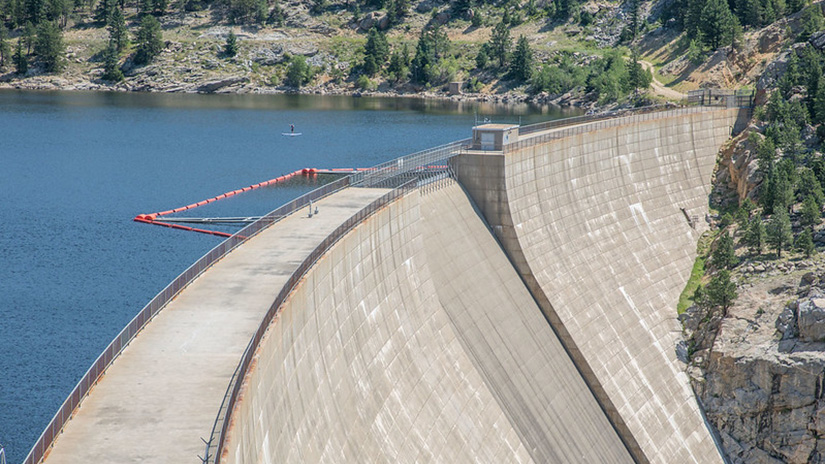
(517, 304)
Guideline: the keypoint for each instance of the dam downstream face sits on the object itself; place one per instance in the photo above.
(339, 377)
(78, 166)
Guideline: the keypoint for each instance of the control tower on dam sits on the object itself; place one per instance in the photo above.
(509, 298)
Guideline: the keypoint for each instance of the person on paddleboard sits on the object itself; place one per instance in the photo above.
(292, 128)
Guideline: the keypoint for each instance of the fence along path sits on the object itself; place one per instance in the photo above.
(98, 368)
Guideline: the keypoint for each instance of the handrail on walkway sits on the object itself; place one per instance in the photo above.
(214, 447)
(126, 335)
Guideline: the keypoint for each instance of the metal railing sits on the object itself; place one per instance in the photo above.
(387, 174)
(741, 98)
(214, 447)
(158, 302)
(556, 123)
(600, 124)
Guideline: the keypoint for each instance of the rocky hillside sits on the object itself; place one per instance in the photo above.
(755, 331)
(584, 45)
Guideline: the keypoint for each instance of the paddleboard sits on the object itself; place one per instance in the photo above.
(290, 134)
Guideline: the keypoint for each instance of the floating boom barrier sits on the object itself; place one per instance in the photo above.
(172, 223)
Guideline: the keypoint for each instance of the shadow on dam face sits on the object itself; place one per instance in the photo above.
(423, 334)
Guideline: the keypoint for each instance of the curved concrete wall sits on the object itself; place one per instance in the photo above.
(593, 224)
(414, 340)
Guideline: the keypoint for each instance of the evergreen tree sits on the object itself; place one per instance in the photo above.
(718, 23)
(783, 197)
(818, 104)
(805, 243)
(755, 236)
(29, 34)
(720, 291)
(397, 69)
(111, 67)
(149, 40)
(811, 212)
(21, 61)
(809, 186)
(482, 58)
(118, 34)
(633, 15)
(104, 10)
(812, 21)
(423, 61)
(461, 6)
(724, 256)
(499, 45)
(521, 66)
(640, 78)
(49, 46)
(432, 45)
(231, 46)
(779, 233)
(5, 48)
(376, 51)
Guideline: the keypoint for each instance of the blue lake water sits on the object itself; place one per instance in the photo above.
(75, 168)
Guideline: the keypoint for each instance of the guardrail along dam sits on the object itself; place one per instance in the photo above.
(506, 298)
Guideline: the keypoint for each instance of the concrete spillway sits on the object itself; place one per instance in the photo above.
(525, 314)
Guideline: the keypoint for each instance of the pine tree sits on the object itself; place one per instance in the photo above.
(117, 30)
(231, 46)
(811, 212)
(461, 6)
(640, 78)
(499, 45)
(482, 58)
(521, 66)
(423, 61)
(755, 236)
(149, 40)
(376, 51)
(5, 48)
(718, 23)
(819, 103)
(720, 291)
(783, 197)
(805, 243)
(21, 61)
(809, 186)
(104, 10)
(724, 256)
(29, 34)
(111, 67)
(49, 46)
(397, 69)
(779, 233)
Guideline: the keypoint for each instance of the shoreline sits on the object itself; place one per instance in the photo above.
(242, 86)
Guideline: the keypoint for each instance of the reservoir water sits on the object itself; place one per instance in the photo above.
(75, 168)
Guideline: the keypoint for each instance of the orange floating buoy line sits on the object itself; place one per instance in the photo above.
(152, 218)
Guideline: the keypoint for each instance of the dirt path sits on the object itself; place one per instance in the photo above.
(660, 88)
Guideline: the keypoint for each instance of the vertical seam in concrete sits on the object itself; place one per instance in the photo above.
(570, 347)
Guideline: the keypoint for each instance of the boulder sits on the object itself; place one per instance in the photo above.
(268, 56)
(442, 18)
(811, 320)
(210, 87)
(818, 40)
(786, 322)
(367, 21)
